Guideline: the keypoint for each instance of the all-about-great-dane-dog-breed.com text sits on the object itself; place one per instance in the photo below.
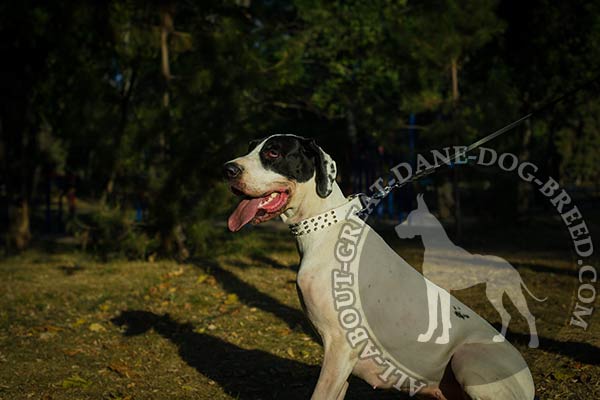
(291, 177)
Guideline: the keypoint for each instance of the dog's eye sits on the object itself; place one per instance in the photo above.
(272, 153)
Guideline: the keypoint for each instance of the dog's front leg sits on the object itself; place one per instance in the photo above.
(432, 305)
(338, 363)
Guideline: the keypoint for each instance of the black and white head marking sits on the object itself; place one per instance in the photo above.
(325, 170)
(296, 158)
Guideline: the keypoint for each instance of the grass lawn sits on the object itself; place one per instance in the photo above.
(230, 326)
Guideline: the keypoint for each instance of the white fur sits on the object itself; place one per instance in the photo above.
(314, 281)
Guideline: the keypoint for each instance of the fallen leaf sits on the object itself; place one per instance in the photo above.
(75, 381)
(290, 352)
(231, 299)
(96, 327)
(52, 328)
(120, 369)
(47, 335)
(211, 281)
(79, 322)
(561, 376)
(201, 278)
(175, 273)
(73, 352)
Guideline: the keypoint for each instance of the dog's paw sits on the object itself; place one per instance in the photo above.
(534, 342)
(423, 337)
(442, 339)
(498, 338)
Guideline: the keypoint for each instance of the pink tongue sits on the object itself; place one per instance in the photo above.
(243, 214)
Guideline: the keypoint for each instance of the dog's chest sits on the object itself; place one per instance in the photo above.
(314, 288)
(315, 291)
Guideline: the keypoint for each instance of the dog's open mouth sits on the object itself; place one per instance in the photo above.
(257, 209)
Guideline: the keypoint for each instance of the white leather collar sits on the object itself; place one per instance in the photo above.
(326, 219)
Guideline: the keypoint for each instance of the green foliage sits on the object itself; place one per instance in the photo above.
(202, 234)
(85, 92)
(112, 233)
(201, 228)
(578, 144)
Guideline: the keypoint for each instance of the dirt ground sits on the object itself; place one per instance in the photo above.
(231, 327)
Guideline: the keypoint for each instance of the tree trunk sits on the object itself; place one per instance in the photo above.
(351, 178)
(4, 203)
(455, 170)
(524, 189)
(20, 231)
(454, 68)
(165, 31)
(176, 234)
(20, 234)
(119, 133)
(3, 157)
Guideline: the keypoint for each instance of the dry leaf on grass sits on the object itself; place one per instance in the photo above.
(231, 299)
(47, 335)
(120, 369)
(96, 327)
(290, 352)
(73, 352)
(75, 381)
(79, 322)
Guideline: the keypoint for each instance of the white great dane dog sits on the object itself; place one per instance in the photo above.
(291, 177)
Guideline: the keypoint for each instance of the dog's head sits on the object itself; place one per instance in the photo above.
(417, 222)
(276, 175)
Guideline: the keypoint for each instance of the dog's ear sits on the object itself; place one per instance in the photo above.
(325, 169)
(421, 205)
(253, 143)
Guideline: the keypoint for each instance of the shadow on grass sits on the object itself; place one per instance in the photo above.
(253, 297)
(578, 351)
(262, 260)
(544, 269)
(242, 373)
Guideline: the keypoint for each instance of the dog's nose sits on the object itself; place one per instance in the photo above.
(231, 170)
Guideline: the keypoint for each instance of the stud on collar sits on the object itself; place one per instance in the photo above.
(326, 219)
